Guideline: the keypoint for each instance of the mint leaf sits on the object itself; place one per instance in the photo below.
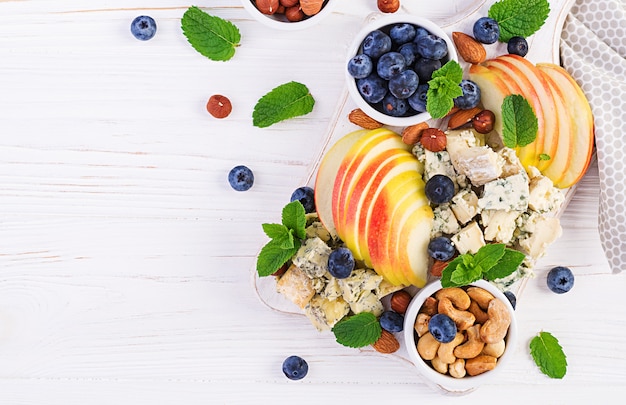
(358, 330)
(548, 355)
(519, 17)
(273, 255)
(519, 122)
(465, 274)
(283, 102)
(488, 255)
(446, 274)
(212, 36)
(280, 234)
(294, 218)
(544, 156)
(443, 88)
(508, 264)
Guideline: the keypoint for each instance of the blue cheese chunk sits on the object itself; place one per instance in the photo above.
(367, 302)
(360, 281)
(438, 163)
(317, 229)
(510, 193)
(324, 314)
(543, 196)
(538, 232)
(469, 239)
(523, 271)
(312, 257)
(332, 289)
(499, 225)
(444, 221)
(465, 205)
(480, 164)
(510, 162)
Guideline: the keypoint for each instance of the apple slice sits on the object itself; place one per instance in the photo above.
(326, 174)
(492, 91)
(582, 127)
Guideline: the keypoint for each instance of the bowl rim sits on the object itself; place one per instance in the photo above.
(380, 21)
(272, 22)
(445, 381)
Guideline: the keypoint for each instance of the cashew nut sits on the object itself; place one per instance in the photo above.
(421, 324)
(480, 315)
(463, 319)
(427, 346)
(429, 307)
(473, 346)
(457, 369)
(456, 295)
(446, 350)
(480, 364)
(481, 296)
(497, 325)
(495, 349)
(439, 365)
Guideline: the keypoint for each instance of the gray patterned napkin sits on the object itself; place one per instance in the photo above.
(593, 51)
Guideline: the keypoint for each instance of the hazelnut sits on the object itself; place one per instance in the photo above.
(400, 301)
(267, 6)
(219, 106)
(483, 121)
(294, 13)
(388, 6)
(433, 139)
(289, 3)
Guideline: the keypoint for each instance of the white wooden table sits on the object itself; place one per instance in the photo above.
(126, 260)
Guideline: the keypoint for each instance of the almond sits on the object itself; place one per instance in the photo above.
(437, 268)
(462, 117)
(469, 49)
(400, 301)
(358, 117)
(311, 7)
(412, 134)
(386, 343)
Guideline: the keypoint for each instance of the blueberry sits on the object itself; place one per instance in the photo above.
(439, 189)
(511, 297)
(390, 64)
(432, 46)
(376, 43)
(441, 248)
(360, 66)
(373, 89)
(409, 51)
(486, 30)
(340, 262)
(420, 32)
(418, 100)
(240, 178)
(517, 46)
(442, 327)
(403, 85)
(295, 367)
(425, 67)
(306, 196)
(391, 321)
(470, 97)
(143, 27)
(560, 279)
(394, 106)
(402, 33)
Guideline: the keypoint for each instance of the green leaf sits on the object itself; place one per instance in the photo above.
(283, 102)
(544, 156)
(280, 234)
(487, 256)
(466, 274)
(273, 256)
(358, 330)
(443, 88)
(212, 36)
(519, 121)
(508, 264)
(294, 218)
(519, 17)
(548, 355)
(446, 274)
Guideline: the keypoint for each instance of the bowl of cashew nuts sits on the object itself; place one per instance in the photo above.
(484, 338)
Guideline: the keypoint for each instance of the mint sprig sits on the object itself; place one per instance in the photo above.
(490, 262)
(548, 355)
(286, 101)
(519, 17)
(519, 122)
(212, 36)
(443, 88)
(358, 330)
(286, 239)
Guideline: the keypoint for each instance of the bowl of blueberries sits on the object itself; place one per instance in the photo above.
(390, 63)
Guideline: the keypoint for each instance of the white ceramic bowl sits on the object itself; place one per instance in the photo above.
(446, 382)
(279, 21)
(378, 23)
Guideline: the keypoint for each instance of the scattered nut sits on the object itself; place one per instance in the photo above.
(497, 325)
(446, 350)
(400, 301)
(427, 346)
(484, 121)
(311, 7)
(268, 7)
(387, 343)
(412, 134)
(469, 49)
(462, 117)
(219, 106)
(474, 345)
(358, 117)
(388, 6)
(480, 364)
(433, 139)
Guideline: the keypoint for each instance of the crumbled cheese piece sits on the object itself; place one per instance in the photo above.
(438, 163)
(444, 221)
(317, 229)
(469, 239)
(499, 225)
(312, 257)
(296, 286)
(543, 196)
(324, 314)
(480, 164)
(385, 288)
(332, 290)
(510, 162)
(360, 281)
(538, 233)
(506, 194)
(465, 205)
(367, 302)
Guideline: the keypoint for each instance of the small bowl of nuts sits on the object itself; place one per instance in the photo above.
(289, 14)
(390, 62)
(460, 338)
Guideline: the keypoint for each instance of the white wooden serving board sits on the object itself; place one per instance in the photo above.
(451, 15)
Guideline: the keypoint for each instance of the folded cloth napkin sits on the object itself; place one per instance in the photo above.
(593, 51)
